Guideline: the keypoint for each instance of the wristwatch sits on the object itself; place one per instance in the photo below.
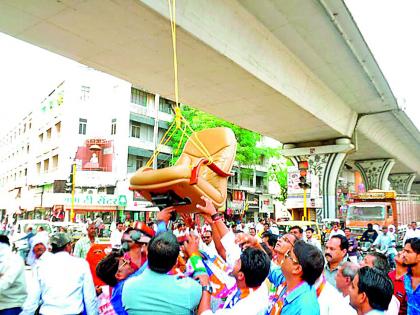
(207, 288)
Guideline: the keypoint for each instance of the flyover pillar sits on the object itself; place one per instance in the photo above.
(325, 162)
(375, 172)
(402, 182)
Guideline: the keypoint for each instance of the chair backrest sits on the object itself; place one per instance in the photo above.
(221, 144)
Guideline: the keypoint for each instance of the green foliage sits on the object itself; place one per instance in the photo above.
(247, 153)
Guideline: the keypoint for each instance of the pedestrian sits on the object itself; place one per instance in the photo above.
(411, 257)
(344, 279)
(154, 291)
(39, 248)
(302, 266)
(63, 283)
(12, 279)
(116, 236)
(397, 278)
(336, 230)
(412, 232)
(371, 291)
(310, 239)
(353, 244)
(84, 243)
(336, 255)
(297, 231)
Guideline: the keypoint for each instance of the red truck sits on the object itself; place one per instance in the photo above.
(382, 208)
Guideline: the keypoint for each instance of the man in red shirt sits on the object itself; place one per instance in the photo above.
(397, 278)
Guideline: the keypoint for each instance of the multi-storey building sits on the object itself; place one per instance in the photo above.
(105, 126)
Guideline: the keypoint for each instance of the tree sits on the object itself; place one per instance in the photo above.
(248, 153)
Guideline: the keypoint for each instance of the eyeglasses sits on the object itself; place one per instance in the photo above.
(287, 255)
(206, 237)
(286, 239)
(125, 262)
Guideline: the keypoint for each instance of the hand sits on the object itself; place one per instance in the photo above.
(207, 218)
(209, 208)
(245, 240)
(191, 245)
(165, 214)
(187, 220)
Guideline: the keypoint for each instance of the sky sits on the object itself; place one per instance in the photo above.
(390, 27)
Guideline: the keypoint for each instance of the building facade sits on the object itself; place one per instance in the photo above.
(105, 127)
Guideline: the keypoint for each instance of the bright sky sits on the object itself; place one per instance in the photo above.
(390, 27)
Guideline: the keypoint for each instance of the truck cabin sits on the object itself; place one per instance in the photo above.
(362, 213)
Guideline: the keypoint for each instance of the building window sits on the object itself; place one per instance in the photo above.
(41, 137)
(113, 126)
(46, 165)
(84, 93)
(138, 97)
(142, 131)
(55, 162)
(49, 133)
(58, 127)
(82, 126)
(165, 106)
(140, 161)
(135, 130)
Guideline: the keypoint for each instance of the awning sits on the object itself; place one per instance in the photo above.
(91, 208)
(142, 119)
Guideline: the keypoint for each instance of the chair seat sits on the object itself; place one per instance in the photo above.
(193, 176)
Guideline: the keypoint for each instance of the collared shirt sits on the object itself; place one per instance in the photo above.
(302, 300)
(399, 291)
(156, 293)
(411, 234)
(12, 279)
(64, 285)
(385, 242)
(115, 238)
(82, 247)
(331, 302)
(314, 242)
(338, 232)
(413, 296)
(255, 303)
(330, 274)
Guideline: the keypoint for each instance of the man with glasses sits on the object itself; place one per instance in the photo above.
(301, 266)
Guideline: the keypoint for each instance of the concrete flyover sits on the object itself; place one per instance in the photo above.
(298, 71)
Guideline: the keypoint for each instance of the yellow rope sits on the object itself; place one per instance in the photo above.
(179, 119)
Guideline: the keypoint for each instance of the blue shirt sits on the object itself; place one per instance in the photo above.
(413, 296)
(116, 297)
(156, 293)
(301, 301)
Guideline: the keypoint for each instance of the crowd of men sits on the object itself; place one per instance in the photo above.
(159, 268)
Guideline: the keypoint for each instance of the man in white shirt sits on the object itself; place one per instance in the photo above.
(311, 240)
(206, 243)
(336, 230)
(412, 232)
(63, 283)
(371, 291)
(116, 236)
(344, 278)
(250, 269)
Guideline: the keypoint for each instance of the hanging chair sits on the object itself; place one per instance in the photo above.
(194, 175)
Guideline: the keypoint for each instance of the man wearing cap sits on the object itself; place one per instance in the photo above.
(63, 283)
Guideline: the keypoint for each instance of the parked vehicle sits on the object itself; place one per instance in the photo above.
(382, 208)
